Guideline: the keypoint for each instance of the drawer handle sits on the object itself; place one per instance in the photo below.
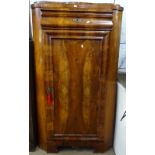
(77, 20)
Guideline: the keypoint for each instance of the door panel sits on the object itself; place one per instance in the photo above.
(75, 70)
(76, 85)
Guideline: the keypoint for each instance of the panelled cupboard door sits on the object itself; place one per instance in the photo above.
(75, 72)
(76, 56)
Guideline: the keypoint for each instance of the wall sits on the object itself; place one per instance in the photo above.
(120, 125)
(122, 54)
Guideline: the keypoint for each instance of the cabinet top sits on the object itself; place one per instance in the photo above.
(77, 6)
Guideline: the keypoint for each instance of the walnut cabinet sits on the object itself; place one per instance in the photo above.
(76, 56)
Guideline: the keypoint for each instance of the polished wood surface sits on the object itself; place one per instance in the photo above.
(76, 56)
(77, 6)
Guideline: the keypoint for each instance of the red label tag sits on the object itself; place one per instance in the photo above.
(49, 99)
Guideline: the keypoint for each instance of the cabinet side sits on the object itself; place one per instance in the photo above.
(112, 77)
(39, 78)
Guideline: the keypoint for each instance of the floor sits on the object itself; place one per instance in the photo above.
(38, 151)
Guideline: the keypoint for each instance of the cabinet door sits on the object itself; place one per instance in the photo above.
(75, 75)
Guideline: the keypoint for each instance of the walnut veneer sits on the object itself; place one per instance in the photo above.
(76, 57)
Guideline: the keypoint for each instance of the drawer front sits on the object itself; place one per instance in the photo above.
(77, 20)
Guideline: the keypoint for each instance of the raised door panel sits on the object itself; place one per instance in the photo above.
(75, 72)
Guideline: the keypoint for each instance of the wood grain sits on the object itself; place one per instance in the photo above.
(76, 56)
